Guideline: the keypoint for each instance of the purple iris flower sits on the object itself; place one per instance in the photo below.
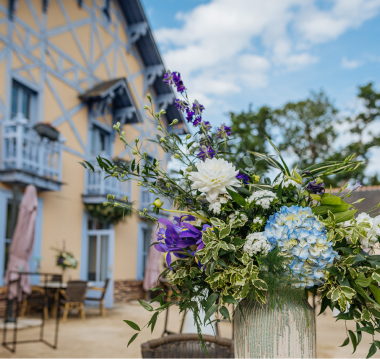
(176, 238)
(243, 177)
(316, 188)
(200, 243)
(224, 131)
(198, 108)
(180, 104)
(356, 186)
(206, 152)
(201, 267)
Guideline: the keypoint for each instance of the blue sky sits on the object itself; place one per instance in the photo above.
(233, 53)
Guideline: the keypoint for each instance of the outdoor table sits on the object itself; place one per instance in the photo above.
(53, 285)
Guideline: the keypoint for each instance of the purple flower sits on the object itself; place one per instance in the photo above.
(176, 238)
(197, 121)
(178, 82)
(190, 115)
(357, 186)
(316, 188)
(243, 177)
(180, 104)
(201, 267)
(168, 78)
(206, 140)
(205, 127)
(198, 108)
(206, 152)
(224, 131)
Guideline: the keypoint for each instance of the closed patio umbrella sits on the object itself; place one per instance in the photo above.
(152, 269)
(22, 242)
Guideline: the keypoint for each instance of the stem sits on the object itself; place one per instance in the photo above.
(193, 214)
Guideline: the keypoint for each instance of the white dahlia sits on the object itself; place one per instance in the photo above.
(213, 177)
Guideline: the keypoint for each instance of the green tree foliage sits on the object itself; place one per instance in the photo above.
(307, 128)
(365, 137)
(250, 130)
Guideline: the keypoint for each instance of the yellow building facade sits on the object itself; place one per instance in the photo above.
(69, 70)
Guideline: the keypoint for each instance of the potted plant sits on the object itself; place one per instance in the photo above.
(47, 130)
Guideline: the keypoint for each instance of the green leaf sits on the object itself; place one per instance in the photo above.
(153, 321)
(362, 292)
(359, 334)
(347, 340)
(376, 277)
(324, 305)
(368, 330)
(348, 292)
(353, 340)
(260, 284)
(132, 339)
(268, 159)
(238, 242)
(362, 280)
(375, 291)
(156, 288)
(211, 300)
(224, 311)
(210, 312)
(375, 312)
(216, 222)
(377, 343)
(335, 295)
(229, 299)
(243, 191)
(372, 350)
(132, 325)
(279, 191)
(286, 169)
(225, 232)
(237, 198)
(212, 268)
(345, 216)
(247, 161)
(145, 305)
(222, 263)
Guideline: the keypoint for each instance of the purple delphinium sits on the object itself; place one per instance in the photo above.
(243, 177)
(174, 78)
(205, 127)
(168, 78)
(316, 188)
(198, 108)
(197, 121)
(190, 115)
(356, 186)
(224, 131)
(180, 104)
(206, 152)
(206, 140)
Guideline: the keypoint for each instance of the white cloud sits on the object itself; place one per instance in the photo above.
(350, 64)
(225, 46)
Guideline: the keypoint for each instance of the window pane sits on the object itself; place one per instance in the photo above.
(25, 103)
(91, 258)
(103, 258)
(146, 244)
(14, 101)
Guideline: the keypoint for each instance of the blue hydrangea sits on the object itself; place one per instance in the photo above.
(301, 238)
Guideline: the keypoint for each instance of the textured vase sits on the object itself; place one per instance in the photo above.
(277, 329)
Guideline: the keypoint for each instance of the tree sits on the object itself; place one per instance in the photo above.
(364, 139)
(307, 128)
(250, 130)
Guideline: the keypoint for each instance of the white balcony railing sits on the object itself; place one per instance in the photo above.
(23, 150)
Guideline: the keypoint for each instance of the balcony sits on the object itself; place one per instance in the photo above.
(27, 158)
(97, 188)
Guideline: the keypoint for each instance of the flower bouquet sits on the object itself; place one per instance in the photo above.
(66, 260)
(241, 238)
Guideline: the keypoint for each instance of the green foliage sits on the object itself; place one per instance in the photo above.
(107, 214)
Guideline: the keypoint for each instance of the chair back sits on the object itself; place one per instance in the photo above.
(56, 278)
(105, 288)
(188, 346)
(76, 290)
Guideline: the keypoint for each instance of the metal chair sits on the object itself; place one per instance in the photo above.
(35, 300)
(101, 298)
(73, 297)
(187, 346)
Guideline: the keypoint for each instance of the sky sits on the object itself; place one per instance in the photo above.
(232, 53)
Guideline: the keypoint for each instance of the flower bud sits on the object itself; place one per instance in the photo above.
(145, 154)
(177, 156)
(168, 185)
(123, 133)
(116, 204)
(146, 107)
(151, 191)
(125, 198)
(157, 115)
(189, 169)
(175, 121)
(134, 152)
(157, 203)
(115, 174)
(255, 178)
(137, 140)
(162, 112)
(139, 184)
(159, 128)
(145, 210)
(106, 203)
(149, 97)
(188, 136)
(163, 140)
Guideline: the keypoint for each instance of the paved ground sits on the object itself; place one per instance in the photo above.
(108, 337)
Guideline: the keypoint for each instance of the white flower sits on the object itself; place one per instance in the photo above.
(265, 202)
(285, 183)
(223, 200)
(258, 220)
(256, 243)
(372, 233)
(215, 207)
(213, 177)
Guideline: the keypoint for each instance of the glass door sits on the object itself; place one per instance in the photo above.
(99, 258)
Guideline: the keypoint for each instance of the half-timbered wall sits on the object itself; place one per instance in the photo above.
(60, 52)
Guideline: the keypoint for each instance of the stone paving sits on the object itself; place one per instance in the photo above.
(108, 337)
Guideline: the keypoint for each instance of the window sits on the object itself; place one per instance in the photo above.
(146, 233)
(21, 100)
(101, 142)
